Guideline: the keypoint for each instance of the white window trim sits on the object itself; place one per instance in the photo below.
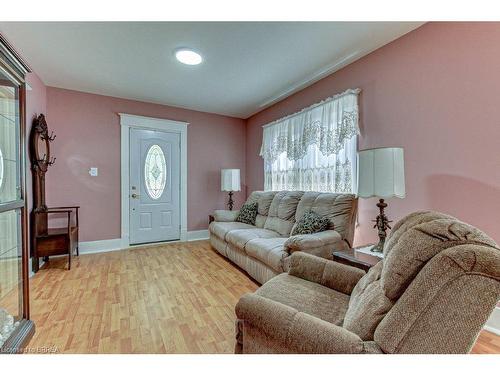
(128, 121)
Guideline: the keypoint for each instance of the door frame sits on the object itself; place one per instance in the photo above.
(128, 121)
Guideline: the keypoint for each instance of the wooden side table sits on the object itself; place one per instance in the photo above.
(355, 258)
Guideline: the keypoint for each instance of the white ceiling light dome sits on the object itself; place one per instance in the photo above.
(188, 56)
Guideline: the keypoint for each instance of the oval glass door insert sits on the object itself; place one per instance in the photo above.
(155, 172)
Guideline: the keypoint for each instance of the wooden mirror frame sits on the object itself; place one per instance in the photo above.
(40, 163)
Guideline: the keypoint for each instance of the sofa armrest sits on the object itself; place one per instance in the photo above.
(320, 244)
(225, 215)
(294, 331)
(334, 275)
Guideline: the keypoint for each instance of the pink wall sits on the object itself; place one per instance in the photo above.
(36, 103)
(36, 98)
(88, 135)
(436, 92)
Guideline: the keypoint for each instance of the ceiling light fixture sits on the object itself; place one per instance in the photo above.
(188, 56)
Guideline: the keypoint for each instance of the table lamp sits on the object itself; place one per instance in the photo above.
(381, 174)
(230, 181)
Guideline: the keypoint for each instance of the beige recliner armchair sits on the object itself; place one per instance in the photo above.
(432, 293)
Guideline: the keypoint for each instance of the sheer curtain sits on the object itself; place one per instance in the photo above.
(314, 149)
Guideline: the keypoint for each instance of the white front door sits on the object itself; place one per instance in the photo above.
(154, 186)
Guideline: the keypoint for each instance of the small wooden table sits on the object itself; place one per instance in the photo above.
(357, 259)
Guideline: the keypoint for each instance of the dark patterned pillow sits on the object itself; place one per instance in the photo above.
(310, 223)
(247, 213)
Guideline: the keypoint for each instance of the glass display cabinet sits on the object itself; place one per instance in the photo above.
(15, 327)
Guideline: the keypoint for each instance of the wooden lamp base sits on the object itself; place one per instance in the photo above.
(230, 202)
(382, 224)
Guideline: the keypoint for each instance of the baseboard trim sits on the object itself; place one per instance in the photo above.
(116, 244)
(91, 247)
(493, 323)
(496, 331)
(197, 235)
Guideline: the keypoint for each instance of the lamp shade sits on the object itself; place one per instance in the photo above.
(381, 173)
(230, 180)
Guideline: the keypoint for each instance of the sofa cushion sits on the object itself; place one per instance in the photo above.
(269, 251)
(263, 199)
(368, 305)
(310, 223)
(307, 297)
(264, 202)
(417, 243)
(254, 196)
(281, 216)
(221, 229)
(260, 221)
(247, 213)
(340, 209)
(240, 237)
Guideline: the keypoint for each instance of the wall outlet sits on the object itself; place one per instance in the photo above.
(93, 171)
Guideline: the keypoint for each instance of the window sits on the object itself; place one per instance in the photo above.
(155, 172)
(314, 149)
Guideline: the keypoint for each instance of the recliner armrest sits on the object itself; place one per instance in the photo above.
(334, 275)
(296, 332)
(320, 244)
(225, 215)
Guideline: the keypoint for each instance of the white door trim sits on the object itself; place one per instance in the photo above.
(128, 121)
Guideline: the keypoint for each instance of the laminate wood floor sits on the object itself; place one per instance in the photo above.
(175, 298)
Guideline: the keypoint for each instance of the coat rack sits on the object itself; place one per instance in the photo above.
(40, 160)
(46, 241)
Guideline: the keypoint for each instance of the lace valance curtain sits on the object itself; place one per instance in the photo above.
(314, 149)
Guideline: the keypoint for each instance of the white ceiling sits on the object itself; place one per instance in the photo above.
(247, 65)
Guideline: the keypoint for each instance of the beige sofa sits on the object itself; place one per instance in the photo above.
(432, 293)
(263, 250)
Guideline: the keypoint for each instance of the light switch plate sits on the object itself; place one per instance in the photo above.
(93, 171)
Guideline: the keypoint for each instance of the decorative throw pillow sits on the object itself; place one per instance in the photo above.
(310, 223)
(247, 213)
